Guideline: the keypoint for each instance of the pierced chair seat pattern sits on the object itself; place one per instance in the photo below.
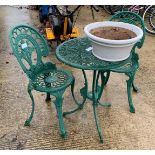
(52, 81)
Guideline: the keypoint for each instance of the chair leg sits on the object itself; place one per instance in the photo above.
(129, 91)
(58, 105)
(94, 106)
(48, 98)
(27, 122)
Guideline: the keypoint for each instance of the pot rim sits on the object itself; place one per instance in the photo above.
(94, 25)
(111, 45)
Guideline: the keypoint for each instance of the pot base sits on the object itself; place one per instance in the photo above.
(112, 50)
(108, 59)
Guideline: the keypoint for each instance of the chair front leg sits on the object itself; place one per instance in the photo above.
(58, 104)
(27, 122)
(129, 90)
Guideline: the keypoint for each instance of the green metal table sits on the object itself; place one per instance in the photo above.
(77, 53)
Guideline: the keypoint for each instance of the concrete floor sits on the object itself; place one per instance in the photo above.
(121, 129)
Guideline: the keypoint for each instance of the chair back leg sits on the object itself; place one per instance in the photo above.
(48, 98)
(28, 121)
(129, 91)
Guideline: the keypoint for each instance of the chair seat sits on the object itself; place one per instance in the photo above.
(126, 68)
(52, 80)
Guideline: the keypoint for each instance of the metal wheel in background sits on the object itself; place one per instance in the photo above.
(133, 8)
(152, 19)
(115, 8)
(106, 8)
(149, 19)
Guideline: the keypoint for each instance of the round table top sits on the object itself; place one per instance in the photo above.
(74, 54)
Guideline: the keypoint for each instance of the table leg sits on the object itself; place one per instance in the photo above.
(94, 97)
(85, 88)
(103, 84)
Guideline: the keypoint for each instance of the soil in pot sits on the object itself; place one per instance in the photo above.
(113, 33)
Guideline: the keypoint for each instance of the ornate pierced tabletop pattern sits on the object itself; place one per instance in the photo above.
(74, 53)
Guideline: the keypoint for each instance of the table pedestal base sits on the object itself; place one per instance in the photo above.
(94, 96)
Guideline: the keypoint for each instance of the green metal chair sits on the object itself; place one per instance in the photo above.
(130, 68)
(43, 77)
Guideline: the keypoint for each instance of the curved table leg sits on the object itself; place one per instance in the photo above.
(104, 80)
(97, 124)
(85, 90)
(94, 85)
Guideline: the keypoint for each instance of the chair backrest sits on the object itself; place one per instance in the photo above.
(131, 18)
(25, 41)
